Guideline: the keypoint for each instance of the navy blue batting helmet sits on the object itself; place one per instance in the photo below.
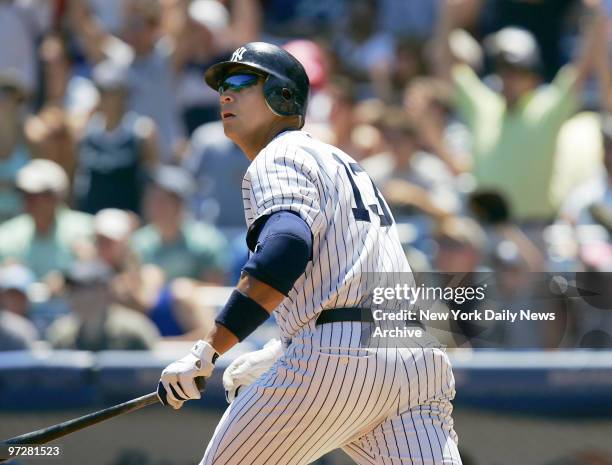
(286, 86)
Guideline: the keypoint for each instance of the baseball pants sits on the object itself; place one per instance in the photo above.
(381, 406)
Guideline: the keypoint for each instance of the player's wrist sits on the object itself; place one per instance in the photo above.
(206, 354)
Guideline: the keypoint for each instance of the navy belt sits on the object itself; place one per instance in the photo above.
(336, 315)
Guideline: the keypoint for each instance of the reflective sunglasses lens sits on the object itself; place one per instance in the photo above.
(238, 81)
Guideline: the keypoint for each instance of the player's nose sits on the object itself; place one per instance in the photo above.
(226, 97)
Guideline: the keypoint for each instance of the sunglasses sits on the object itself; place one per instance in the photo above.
(237, 82)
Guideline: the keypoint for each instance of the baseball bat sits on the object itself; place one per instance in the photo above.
(42, 436)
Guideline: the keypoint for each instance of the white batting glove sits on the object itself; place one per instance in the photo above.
(178, 380)
(248, 367)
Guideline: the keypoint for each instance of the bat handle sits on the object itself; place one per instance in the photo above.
(201, 383)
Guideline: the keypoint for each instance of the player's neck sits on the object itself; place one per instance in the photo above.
(251, 146)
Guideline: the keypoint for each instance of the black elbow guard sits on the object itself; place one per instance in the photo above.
(282, 251)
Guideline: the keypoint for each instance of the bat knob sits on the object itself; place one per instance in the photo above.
(201, 383)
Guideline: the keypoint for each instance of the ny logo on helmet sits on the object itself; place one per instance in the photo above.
(237, 55)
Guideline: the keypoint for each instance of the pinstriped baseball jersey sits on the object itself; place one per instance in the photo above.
(382, 405)
(353, 230)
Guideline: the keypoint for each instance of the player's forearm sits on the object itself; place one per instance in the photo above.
(222, 338)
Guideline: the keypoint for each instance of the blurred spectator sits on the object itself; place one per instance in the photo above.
(412, 181)
(582, 131)
(515, 287)
(461, 245)
(428, 103)
(43, 237)
(218, 166)
(178, 245)
(492, 212)
(592, 202)
(62, 88)
(545, 19)
(131, 284)
(367, 135)
(408, 18)
(16, 331)
(13, 152)
(302, 18)
(20, 56)
(517, 127)
(177, 309)
(363, 50)
(117, 149)
(407, 64)
(461, 251)
(113, 229)
(199, 44)
(343, 117)
(96, 323)
(50, 135)
(203, 33)
(148, 57)
(466, 49)
(110, 13)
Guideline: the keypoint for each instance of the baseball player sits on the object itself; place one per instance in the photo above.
(316, 225)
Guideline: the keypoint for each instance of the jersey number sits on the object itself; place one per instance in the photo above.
(361, 213)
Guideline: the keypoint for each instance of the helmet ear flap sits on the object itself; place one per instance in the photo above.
(280, 96)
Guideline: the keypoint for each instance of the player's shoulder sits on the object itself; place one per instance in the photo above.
(291, 149)
(301, 146)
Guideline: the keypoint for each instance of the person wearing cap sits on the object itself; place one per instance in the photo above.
(175, 308)
(14, 153)
(16, 331)
(515, 128)
(43, 237)
(96, 322)
(118, 147)
(112, 230)
(177, 244)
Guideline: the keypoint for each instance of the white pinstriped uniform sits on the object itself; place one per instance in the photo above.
(381, 406)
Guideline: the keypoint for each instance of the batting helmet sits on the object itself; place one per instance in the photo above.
(286, 86)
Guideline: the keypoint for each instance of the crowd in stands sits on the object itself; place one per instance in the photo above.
(487, 125)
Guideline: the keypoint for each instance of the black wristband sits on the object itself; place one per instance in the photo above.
(242, 315)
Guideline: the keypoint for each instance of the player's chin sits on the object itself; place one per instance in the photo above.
(230, 125)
